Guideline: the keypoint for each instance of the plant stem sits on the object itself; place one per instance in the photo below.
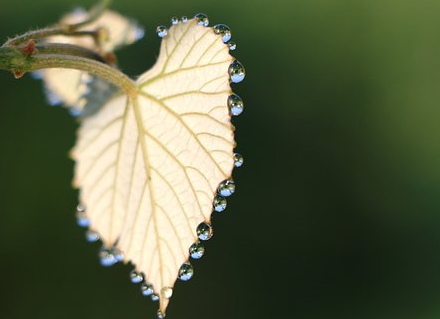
(48, 32)
(67, 30)
(100, 69)
(21, 55)
(69, 49)
(14, 60)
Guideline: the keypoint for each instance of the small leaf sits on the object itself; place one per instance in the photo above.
(148, 167)
(120, 31)
(82, 93)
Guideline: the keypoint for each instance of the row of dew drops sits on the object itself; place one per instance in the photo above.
(110, 257)
(236, 69)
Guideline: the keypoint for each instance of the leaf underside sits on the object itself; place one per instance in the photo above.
(148, 167)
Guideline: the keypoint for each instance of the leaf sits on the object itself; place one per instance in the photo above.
(82, 93)
(148, 167)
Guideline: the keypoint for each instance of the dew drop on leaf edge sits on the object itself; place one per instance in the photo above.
(160, 315)
(107, 258)
(202, 19)
(238, 160)
(224, 31)
(220, 203)
(81, 216)
(204, 231)
(136, 277)
(119, 255)
(235, 104)
(186, 272)
(147, 290)
(82, 220)
(237, 72)
(174, 20)
(139, 33)
(92, 236)
(161, 31)
(232, 46)
(226, 188)
(154, 297)
(197, 250)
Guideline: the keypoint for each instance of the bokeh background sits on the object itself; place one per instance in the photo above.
(337, 213)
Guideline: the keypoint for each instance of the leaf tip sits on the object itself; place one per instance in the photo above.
(163, 302)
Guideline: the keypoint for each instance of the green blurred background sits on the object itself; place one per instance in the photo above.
(337, 213)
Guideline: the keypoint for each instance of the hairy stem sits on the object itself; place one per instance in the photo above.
(100, 69)
(67, 30)
(48, 32)
(68, 49)
(14, 60)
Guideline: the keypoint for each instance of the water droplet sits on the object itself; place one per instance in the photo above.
(37, 75)
(82, 220)
(184, 19)
(81, 216)
(174, 20)
(75, 112)
(154, 297)
(235, 104)
(202, 19)
(107, 258)
(162, 31)
(237, 72)
(238, 160)
(147, 290)
(160, 315)
(139, 33)
(224, 31)
(52, 98)
(92, 236)
(219, 204)
(232, 46)
(227, 188)
(166, 292)
(204, 231)
(196, 250)
(119, 255)
(136, 277)
(78, 13)
(186, 272)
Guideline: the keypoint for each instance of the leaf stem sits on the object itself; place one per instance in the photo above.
(97, 68)
(47, 32)
(14, 60)
(67, 30)
(69, 49)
